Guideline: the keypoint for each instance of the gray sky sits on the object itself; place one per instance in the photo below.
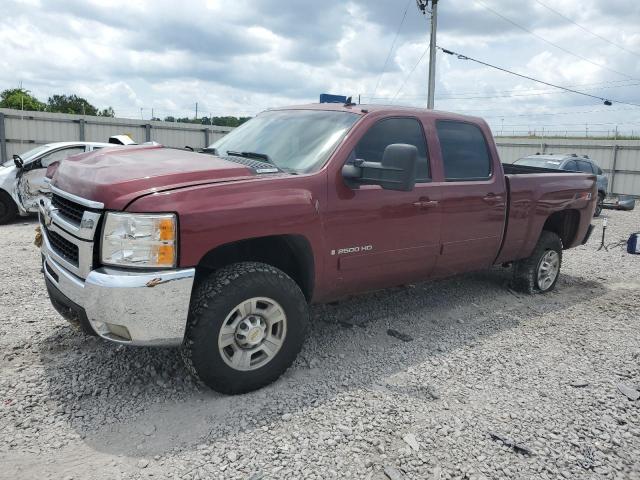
(238, 57)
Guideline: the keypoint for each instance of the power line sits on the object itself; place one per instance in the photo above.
(384, 67)
(498, 96)
(553, 114)
(532, 92)
(605, 100)
(587, 30)
(410, 73)
(540, 37)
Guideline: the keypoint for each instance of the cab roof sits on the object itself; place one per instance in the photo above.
(364, 109)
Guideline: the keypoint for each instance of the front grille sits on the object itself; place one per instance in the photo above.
(70, 210)
(63, 247)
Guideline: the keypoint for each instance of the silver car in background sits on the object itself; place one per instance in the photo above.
(573, 163)
(22, 179)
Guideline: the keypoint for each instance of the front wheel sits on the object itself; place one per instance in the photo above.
(539, 273)
(8, 208)
(247, 323)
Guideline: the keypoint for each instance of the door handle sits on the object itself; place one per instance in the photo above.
(424, 203)
(492, 199)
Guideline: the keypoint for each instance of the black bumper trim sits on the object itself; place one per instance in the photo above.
(70, 311)
(588, 235)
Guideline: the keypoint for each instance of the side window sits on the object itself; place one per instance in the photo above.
(60, 155)
(465, 153)
(584, 167)
(571, 166)
(394, 130)
(598, 170)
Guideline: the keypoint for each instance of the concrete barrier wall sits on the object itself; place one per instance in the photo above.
(21, 131)
(620, 159)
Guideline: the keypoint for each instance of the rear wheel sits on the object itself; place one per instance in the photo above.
(247, 324)
(539, 273)
(598, 209)
(8, 208)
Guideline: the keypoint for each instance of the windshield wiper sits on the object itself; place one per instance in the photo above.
(256, 155)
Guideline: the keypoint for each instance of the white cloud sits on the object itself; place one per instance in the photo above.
(241, 56)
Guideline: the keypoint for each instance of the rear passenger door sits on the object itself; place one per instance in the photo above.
(473, 199)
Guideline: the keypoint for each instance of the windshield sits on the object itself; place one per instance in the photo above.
(294, 140)
(539, 162)
(28, 155)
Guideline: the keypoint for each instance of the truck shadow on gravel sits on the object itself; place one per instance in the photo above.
(142, 401)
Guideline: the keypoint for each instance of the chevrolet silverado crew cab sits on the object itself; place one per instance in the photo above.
(221, 252)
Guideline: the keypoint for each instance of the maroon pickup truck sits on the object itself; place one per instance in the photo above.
(221, 252)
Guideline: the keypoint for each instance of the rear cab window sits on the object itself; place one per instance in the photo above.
(394, 130)
(465, 153)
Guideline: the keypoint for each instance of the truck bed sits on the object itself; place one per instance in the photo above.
(534, 195)
(513, 169)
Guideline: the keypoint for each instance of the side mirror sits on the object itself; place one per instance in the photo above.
(397, 171)
(18, 161)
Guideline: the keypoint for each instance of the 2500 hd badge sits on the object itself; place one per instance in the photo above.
(344, 251)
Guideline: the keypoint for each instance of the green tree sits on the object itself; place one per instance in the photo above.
(20, 98)
(70, 104)
(107, 112)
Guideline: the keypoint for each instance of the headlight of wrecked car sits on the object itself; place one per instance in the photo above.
(139, 240)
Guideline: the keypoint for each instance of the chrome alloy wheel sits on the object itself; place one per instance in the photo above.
(252, 333)
(548, 269)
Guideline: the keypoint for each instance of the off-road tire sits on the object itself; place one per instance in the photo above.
(8, 208)
(525, 271)
(598, 209)
(214, 298)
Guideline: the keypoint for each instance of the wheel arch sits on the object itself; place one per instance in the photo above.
(565, 224)
(290, 253)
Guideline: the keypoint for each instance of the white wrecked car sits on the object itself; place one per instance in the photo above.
(22, 179)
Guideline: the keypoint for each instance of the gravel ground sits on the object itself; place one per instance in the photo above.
(494, 384)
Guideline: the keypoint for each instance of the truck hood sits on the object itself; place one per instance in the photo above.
(117, 176)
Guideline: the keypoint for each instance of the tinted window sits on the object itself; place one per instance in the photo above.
(394, 130)
(584, 167)
(465, 154)
(571, 166)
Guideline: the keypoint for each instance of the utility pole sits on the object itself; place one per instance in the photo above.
(196, 110)
(422, 5)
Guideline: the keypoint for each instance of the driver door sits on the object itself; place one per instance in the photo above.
(380, 238)
(31, 178)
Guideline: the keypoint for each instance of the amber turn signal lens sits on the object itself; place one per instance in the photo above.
(165, 255)
(167, 229)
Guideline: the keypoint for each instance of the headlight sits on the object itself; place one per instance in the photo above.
(139, 240)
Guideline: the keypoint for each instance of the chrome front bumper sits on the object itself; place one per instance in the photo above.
(125, 306)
